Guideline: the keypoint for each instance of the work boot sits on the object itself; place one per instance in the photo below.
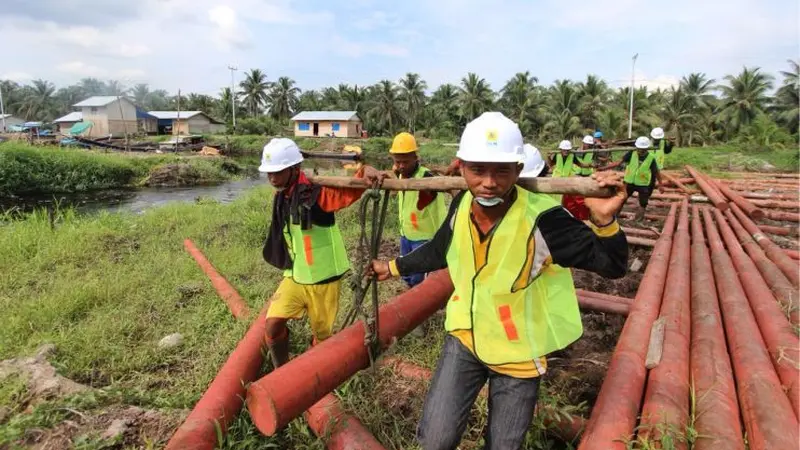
(279, 350)
(639, 215)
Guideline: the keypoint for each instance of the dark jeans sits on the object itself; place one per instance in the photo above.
(644, 193)
(456, 383)
(407, 246)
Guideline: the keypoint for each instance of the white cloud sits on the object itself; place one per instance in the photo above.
(354, 49)
(228, 30)
(16, 76)
(82, 69)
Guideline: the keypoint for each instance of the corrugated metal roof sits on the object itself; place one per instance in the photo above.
(6, 116)
(98, 100)
(174, 114)
(343, 116)
(75, 116)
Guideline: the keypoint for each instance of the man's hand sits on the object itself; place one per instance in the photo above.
(602, 210)
(454, 169)
(374, 176)
(380, 269)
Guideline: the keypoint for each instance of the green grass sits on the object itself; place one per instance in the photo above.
(731, 159)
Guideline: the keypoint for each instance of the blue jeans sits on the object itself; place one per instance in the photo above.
(456, 383)
(406, 247)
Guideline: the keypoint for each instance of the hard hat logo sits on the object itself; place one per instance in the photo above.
(491, 138)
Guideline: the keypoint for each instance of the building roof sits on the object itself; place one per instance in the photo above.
(99, 100)
(75, 116)
(6, 116)
(343, 116)
(173, 115)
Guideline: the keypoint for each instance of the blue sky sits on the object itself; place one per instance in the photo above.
(188, 44)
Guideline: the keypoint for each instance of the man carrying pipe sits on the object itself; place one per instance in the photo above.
(511, 307)
(587, 159)
(304, 241)
(641, 173)
(567, 164)
(663, 146)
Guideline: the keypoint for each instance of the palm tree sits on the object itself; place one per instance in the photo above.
(282, 98)
(386, 110)
(593, 97)
(140, 94)
(745, 96)
(646, 107)
(561, 111)
(223, 108)
(697, 88)
(254, 91)
(158, 100)
(114, 87)
(518, 100)
(787, 99)
(563, 125)
(444, 106)
(412, 92)
(198, 102)
(678, 114)
(613, 122)
(475, 96)
(39, 102)
(309, 101)
(68, 96)
(353, 99)
(93, 86)
(12, 96)
(331, 99)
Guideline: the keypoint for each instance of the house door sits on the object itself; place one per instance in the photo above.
(316, 129)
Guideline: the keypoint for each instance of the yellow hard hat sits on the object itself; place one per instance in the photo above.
(403, 143)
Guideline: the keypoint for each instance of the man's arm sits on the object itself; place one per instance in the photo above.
(334, 199)
(425, 198)
(667, 147)
(574, 244)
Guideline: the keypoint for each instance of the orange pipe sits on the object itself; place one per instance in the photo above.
(714, 196)
(638, 232)
(282, 395)
(778, 256)
(339, 430)
(642, 242)
(747, 206)
(782, 215)
(779, 231)
(606, 297)
(604, 306)
(677, 183)
(228, 294)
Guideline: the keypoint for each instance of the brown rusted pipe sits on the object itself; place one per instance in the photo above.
(606, 297)
(631, 215)
(642, 242)
(747, 206)
(228, 294)
(666, 400)
(615, 412)
(649, 234)
(339, 430)
(779, 231)
(778, 256)
(784, 292)
(282, 395)
(782, 215)
(709, 189)
(716, 407)
(777, 204)
(768, 195)
(604, 306)
(768, 417)
(677, 183)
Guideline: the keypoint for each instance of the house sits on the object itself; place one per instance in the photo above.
(9, 120)
(66, 122)
(187, 122)
(110, 115)
(327, 123)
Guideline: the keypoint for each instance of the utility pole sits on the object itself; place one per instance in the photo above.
(2, 108)
(630, 111)
(178, 123)
(233, 96)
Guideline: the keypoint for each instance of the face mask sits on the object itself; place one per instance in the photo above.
(489, 202)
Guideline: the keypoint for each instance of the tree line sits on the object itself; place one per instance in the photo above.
(698, 111)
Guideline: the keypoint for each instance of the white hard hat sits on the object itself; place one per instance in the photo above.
(492, 137)
(565, 145)
(588, 140)
(533, 163)
(657, 133)
(279, 154)
(643, 143)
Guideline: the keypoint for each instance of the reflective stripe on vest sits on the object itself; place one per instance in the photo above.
(660, 155)
(587, 160)
(565, 168)
(317, 254)
(416, 225)
(639, 174)
(517, 311)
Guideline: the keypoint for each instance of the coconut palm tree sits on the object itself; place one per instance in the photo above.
(93, 86)
(158, 100)
(517, 99)
(68, 96)
(677, 114)
(353, 98)
(140, 94)
(39, 102)
(697, 88)
(12, 96)
(223, 108)
(282, 98)
(613, 122)
(331, 99)
(309, 101)
(787, 99)
(114, 87)
(563, 125)
(412, 92)
(593, 96)
(475, 96)
(444, 109)
(386, 107)
(198, 102)
(745, 96)
(254, 91)
(561, 110)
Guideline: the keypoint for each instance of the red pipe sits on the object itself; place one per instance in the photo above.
(746, 205)
(222, 401)
(642, 242)
(778, 204)
(677, 182)
(614, 414)
(709, 189)
(630, 215)
(638, 232)
(785, 293)
(768, 417)
(775, 328)
(779, 231)
(283, 394)
(716, 408)
(794, 254)
(666, 400)
(778, 256)
(228, 294)
(782, 216)
(339, 430)
(603, 306)
(768, 195)
(606, 297)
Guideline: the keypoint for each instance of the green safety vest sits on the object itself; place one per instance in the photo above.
(660, 155)
(416, 225)
(639, 174)
(587, 160)
(565, 168)
(515, 316)
(318, 253)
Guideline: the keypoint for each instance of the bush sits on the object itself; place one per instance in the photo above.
(258, 125)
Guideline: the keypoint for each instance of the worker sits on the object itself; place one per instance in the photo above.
(421, 212)
(507, 250)
(533, 164)
(663, 146)
(599, 139)
(304, 241)
(587, 159)
(641, 173)
(563, 163)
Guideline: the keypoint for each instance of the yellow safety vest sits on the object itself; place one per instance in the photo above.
(565, 168)
(318, 253)
(587, 160)
(639, 174)
(416, 225)
(660, 155)
(515, 315)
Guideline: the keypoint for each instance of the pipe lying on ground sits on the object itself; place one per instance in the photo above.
(768, 416)
(776, 204)
(677, 183)
(632, 215)
(778, 256)
(779, 231)
(339, 430)
(716, 407)
(638, 232)
(604, 306)
(782, 216)
(614, 414)
(606, 297)
(282, 395)
(584, 186)
(768, 195)
(794, 254)
(228, 294)
(785, 293)
(749, 207)
(775, 328)
(708, 188)
(642, 242)
(666, 401)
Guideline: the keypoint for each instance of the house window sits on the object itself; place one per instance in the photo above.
(303, 126)
(94, 110)
(335, 127)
